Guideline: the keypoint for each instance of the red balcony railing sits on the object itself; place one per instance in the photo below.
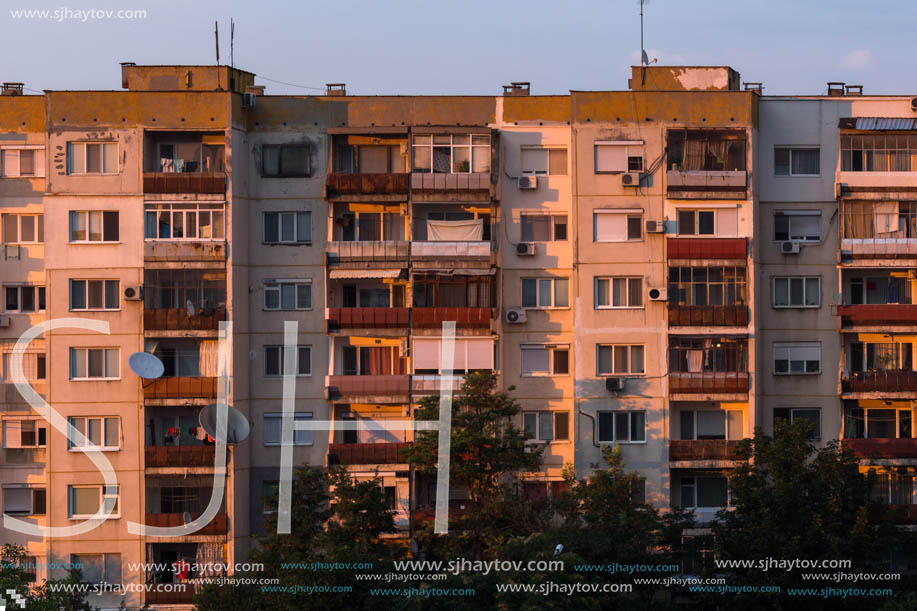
(180, 388)
(708, 316)
(173, 597)
(892, 380)
(883, 448)
(366, 453)
(708, 382)
(706, 248)
(463, 317)
(218, 526)
(878, 314)
(179, 456)
(702, 449)
(370, 385)
(184, 182)
(367, 184)
(368, 318)
(178, 319)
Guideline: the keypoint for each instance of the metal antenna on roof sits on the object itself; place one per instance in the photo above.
(216, 36)
(644, 60)
(232, 38)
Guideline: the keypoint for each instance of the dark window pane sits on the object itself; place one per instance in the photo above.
(110, 230)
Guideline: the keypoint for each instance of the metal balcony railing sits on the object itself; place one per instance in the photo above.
(464, 317)
(702, 449)
(708, 315)
(706, 248)
(366, 453)
(708, 382)
(179, 456)
(178, 319)
(367, 184)
(890, 380)
(184, 182)
(883, 448)
(181, 388)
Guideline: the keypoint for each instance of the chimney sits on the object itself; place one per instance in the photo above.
(758, 87)
(520, 88)
(835, 88)
(854, 89)
(255, 89)
(124, 70)
(11, 89)
(335, 89)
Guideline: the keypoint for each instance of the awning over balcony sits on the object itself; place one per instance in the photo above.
(364, 273)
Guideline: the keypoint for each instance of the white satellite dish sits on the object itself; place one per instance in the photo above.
(237, 427)
(189, 306)
(146, 365)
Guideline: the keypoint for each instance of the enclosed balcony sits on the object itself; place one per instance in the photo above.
(708, 368)
(393, 388)
(169, 498)
(465, 300)
(367, 372)
(883, 368)
(702, 449)
(454, 166)
(706, 164)
(201, 456)
(183, 299)
(707, 297)
(184, 232)
(178, 563)
(190, 372)
(881, 430)
(372, 306)
(368, 166)
(706, 248)
(878, 229)
(184, 162)
(446, 237)
(386, 453)
(878, 298)
(882, 448)
(366, 237)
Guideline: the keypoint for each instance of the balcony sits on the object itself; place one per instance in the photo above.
(184, 182)
(433, 384)
(885, 382)
(706, 248)
(368, 388)
(175, 597)
(218, 526)
(878, 314)
(366, 453)
(423, 183)
(711, 184)
(184, 250)
(178, 319)
(465, 318)
(708, 316)
(369, 187)
(702, 449)
(179, 456)
(338, 319)
(708, 383)
(180, 388)
(451, 250)
(368, 253)
(882, 448)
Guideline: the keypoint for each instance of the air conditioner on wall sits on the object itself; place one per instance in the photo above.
(656, 294)
(614, 384)
(133, 293)
(528, 182)
(5, 322)
(655, 226)
(515, 316)
(630, 179)
(525, 249)
(790, 248)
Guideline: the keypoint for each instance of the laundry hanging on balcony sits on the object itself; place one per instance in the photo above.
(455, 231)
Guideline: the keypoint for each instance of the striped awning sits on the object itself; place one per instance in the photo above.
(880, 124)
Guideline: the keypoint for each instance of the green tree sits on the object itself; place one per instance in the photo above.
(50, 595)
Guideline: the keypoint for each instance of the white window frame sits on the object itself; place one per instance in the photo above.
(85, 356)
(276, 286)
(790, 347)
(536, 433)
(279, 348)
(13, 429)
(614, 365)
(11, 165)
(791, 150)
(420, 141)
(551, 349)
(71, 171)
(38, 290)
(72, 444)
(630, 147)
(32, 490)
(38, 220)
(553, 283)
(76, 559)
(614, 428)
(790, 214)
(547, 154)
(725, 412)
(281, 214)
(610, 280)
(552, 237)
(89, 214)
(186, 214)
(300, 438)
(86, 282)
(628, 214)
(104, 493)
(806, 280)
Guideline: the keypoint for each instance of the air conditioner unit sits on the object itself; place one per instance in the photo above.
(5, 322)
(525, 249)
(515, 316)
(528, 182)
(133, 293)
(614, 384)
(789, 248)
(11, 251)
(655, 294)
(655, 226)
(248, 100)
(630, 179)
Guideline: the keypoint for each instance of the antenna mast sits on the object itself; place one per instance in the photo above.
(232, 38)
(216, 36)
(642, 50)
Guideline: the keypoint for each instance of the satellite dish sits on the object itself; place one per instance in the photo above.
(189, 306)
(146, 365)
(237, 427)
(186, 518)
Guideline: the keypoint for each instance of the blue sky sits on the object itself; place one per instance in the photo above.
(471, 46)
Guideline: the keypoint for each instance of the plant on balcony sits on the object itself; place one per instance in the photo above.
(49, 595)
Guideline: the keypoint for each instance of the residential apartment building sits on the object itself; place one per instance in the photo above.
(662, 268)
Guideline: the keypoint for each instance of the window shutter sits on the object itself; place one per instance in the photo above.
(11, 162)
(12, 434)
(610, 158)
(727, 222)
(426, 354)
(480, 353)
(610, 227)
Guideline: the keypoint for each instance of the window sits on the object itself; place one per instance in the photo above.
(273, 429)
(874, 357)
(92, 158)
(706, 150)
(287, 227)
(24, 298)
(794, 414)
(878, 423)
(696, 222)
(618, 156)
(615, 359)
(797, 225)
(390, 496)
(94, 363)
(547, 426)
(797, 358)
(796, 162)
(200, 156)
(704, 492)
(270, 495)
(877, 152)
(619, 292)
(543, 360)
(614, 226)
(622, 427)
(95, 295)
(451, 154)
(288, 296)
(544, 162)
(797, 292)
(707, 286)
(196, 222)
(34, 366)
(543, 228)
(98, 568)
(545, 292)
(24, 434)
(707, 354)
(273, 360)
(284, 160)
(891, 488)
(22, 162)
(103, 433)
(86, 501)
(94, 226)
(23, 228)
(711, 424)
(23, 500)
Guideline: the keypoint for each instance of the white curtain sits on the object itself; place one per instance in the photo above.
(695, 360)
(207, 557)
(455, 231)
(209, 367)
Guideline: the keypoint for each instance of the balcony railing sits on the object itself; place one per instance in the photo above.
(179, 456)
(184, 182)
(450, 182)
(218, 526)
(464, 317)
(706, 248)
(367, 318)
(178, 319)
(708, 382)
(185, 250)
(883, 448)
(891, 380)
(172, 597)
(393, 386)
(457, 509)
(366, 453)
(181, 388)
(878, 314)
(708, 316)
(702, 449)
(367, 184)
(367, 252)
(432, 384)
(707, 184)
(450, 250)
